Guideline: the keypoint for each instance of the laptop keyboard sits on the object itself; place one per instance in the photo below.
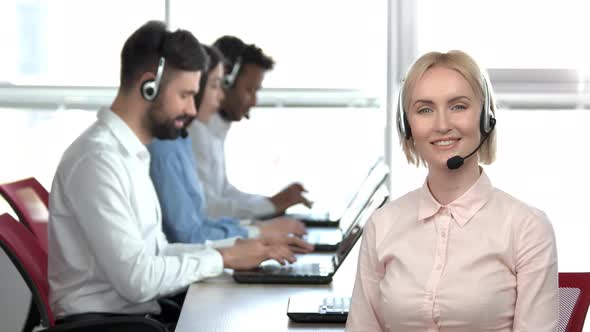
(323, 236)
(313, 269)
(335, 305)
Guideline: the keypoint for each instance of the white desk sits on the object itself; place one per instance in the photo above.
(221, 304)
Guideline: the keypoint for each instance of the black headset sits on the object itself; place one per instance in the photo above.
(150, 88)
(486, 122)
(230, 79)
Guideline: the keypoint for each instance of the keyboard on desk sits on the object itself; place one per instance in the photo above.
(335, 305)
(298, 269)
(324, 240)
(314, 273)
(330, 310)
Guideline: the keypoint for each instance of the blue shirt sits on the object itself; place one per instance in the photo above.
(172, 169)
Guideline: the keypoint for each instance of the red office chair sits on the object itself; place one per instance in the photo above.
(30, 202)
(574, 299)
(31, 261)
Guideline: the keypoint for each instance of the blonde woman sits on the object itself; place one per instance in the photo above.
(457, 254)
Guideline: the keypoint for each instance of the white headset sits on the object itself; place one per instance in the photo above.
(486, 119)
(150, 88)
(230, 79)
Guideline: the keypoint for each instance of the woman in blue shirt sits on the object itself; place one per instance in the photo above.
(173, 172)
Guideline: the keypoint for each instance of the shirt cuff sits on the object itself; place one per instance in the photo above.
(230, 241)
(265, 207)
(204, 260)
(209, 263)
(245, 222)
(253, 231)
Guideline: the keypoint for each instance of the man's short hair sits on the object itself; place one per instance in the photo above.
(146, 45)
(233, 48)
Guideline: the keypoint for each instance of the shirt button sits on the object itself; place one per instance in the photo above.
(443, 234)
(439, 266)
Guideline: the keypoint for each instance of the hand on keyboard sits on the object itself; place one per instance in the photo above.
(295, 243)
(283, 225)
(249, 253)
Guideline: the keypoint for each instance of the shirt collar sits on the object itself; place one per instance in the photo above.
(198, 124)
(218, 126)
(121, 131)
(463, 208)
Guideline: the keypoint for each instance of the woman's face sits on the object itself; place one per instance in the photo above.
(444, 114)
(213, 94)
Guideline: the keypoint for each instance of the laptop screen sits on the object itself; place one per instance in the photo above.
(375, 178)
(350, 239)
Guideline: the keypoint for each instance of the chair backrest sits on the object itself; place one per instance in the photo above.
(574, 299)
(30, 259)
(30, 201)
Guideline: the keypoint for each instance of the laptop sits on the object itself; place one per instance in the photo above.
(320, 272)
(318, 309)
(328, 238)
(316, 218)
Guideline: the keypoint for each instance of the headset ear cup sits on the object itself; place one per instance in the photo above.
(402, 121)
(408, 130)
(230, 78)
(148, 90)
(226, 82)
(482, 122)
(487, 121)
(486, 127)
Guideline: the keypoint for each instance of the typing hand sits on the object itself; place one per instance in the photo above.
(283, 225)
(294, 242)
(249, 253)
(290, 196)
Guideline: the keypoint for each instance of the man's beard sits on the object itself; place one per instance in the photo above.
(164, 129)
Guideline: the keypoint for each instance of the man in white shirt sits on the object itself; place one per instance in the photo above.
(107, 252)
(245, 68)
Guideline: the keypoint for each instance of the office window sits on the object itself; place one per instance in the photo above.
(328, 150)
(316, 44)
(507, 34)
(32, 141)
(539, 63)
(71, 43)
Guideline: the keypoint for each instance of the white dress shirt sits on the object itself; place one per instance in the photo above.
(221, 197)
(107, 252)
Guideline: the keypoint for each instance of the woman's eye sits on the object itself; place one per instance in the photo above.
(424, 110)
(459, 107)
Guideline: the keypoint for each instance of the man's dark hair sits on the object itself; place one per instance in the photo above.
(234, 48)
(215, 58)
(151, 41)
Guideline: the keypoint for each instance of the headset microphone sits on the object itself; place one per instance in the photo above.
(457, 161)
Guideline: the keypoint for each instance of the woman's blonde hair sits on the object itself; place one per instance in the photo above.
(468, 68)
